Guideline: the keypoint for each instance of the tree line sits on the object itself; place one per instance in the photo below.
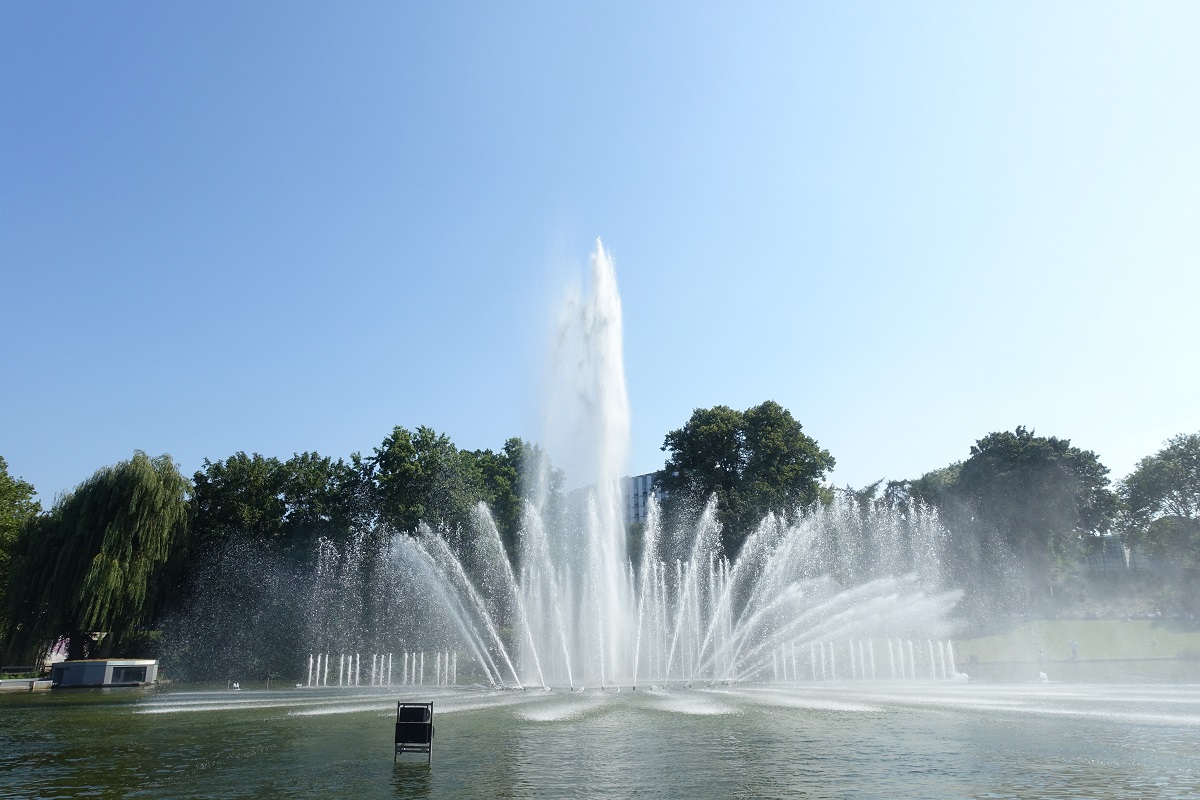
(129, 546)
(1021, 511)
(134, 542)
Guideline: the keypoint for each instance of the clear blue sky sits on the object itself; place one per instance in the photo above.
(285, 226)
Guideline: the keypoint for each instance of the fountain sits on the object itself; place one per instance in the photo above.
(576, 610)
(831, 620)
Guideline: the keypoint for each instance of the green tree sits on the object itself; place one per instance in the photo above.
(754, 461)
(510, 477)
(278, 504)
(240, 497)
(705, 457)
(1039, 494)
(421, 476)
(92, 563)
(323, 497)
(1162, 502)
(17, 508)
(240, 595)
(934, 488)
(501, 474)
(1020, 511)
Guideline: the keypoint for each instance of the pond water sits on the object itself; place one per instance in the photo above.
(779, 740)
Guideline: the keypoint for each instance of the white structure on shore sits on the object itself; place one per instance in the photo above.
(105, 672)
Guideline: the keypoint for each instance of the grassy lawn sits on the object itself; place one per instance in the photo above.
(1096, 638)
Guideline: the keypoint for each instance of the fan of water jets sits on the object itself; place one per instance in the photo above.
(802, 597)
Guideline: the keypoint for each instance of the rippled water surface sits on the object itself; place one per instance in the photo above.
(828, 741)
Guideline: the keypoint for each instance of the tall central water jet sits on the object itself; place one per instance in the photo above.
(587, 430)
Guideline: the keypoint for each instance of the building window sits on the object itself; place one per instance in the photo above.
(129, 675)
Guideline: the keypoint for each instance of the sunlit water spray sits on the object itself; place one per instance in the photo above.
(576, 609)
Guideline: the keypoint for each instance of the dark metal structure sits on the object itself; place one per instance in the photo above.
(414, 729)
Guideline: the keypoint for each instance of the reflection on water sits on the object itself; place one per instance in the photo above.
(822, 741)
(410, 779)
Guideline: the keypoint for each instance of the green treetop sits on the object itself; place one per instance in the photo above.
(754, 461)
(17, 508)
(1162, 502)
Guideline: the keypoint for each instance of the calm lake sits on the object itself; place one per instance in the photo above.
(930, 740)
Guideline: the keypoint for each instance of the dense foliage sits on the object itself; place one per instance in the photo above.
(412, 477)
(259, 522)
(276, 504)
(754, 461)
(17, 507)
(1021, 511)
(1162, 502)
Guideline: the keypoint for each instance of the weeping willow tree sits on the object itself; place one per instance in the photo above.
(93, 563)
